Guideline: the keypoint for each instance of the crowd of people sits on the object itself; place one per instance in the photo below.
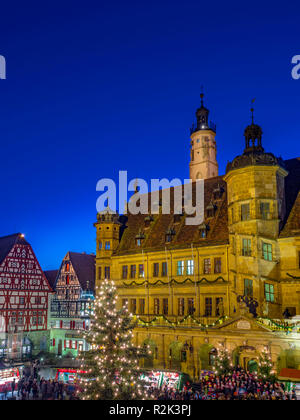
(238, 385)
(33, 387)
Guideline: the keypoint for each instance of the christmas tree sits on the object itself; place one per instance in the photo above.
(111, 365)
(265, 367)
(223, 363)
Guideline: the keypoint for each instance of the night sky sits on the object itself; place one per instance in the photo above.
(97, 87)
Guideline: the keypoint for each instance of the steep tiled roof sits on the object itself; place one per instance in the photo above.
(84, 266)
(183, 234)
(7, 242)
(292, 193)
(51, 277)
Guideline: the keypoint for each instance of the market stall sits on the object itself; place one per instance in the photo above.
(7, 375)
(162, 378)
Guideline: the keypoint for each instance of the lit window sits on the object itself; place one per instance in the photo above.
(267, 252)
(269, 292)
(190, 267)
(180, 268)
(207, 266)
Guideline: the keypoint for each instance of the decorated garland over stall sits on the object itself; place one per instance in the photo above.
(157, 318)
(173, 281)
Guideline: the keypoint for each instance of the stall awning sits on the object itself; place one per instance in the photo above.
(292, 375)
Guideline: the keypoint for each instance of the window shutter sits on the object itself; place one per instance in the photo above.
(53, 344)
(65, 344)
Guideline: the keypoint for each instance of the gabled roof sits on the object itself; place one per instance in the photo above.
(8, 242)
(51, 276)
(183, 234)
(292, 195)
(84, 266)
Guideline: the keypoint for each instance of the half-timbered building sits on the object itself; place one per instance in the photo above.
(24, 296)
(70, 308)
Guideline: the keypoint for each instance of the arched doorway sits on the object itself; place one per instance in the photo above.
(149, 360)
(176, 355)
(246, 357)
(207, 354)
(252, 366)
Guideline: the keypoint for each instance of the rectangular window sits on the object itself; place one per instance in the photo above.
(124, 271)
(218, 265)
(107, 245)
(248, 287)
(99, 273)
(180, 268)
(245, 212)
(133, 306)
(132, 271)
(107, 272)
(156, 306)
(265, 211)
(180, 306)
(219, 306)
(190, 267)
(155, 269)
(22, 300)
(207, 266)
(191, 307)
(38, 300)
(164, 269)
(208, 307)
(269, 292)
(165, 306)
(246, 247)
(142, 306)
(267, 252)
(141, 270)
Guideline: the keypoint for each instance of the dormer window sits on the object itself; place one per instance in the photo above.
(169, 235)
(177, 218)
(218, 192)
(210, 210)
(139, 239)
(203, 229)
(148, 219)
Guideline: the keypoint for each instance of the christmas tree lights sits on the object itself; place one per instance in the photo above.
(111, 365)
(266, 370)
(223, 362)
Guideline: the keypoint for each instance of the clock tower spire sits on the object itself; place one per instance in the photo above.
(203, 164)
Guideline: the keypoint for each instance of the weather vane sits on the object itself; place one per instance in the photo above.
(252, 110)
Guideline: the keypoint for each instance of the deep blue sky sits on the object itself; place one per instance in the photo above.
(96, 87)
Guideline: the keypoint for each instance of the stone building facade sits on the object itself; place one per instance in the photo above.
(233, 280)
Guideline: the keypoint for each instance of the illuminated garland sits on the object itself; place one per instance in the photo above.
(177, 323)
(276, 326)
(173, 281)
